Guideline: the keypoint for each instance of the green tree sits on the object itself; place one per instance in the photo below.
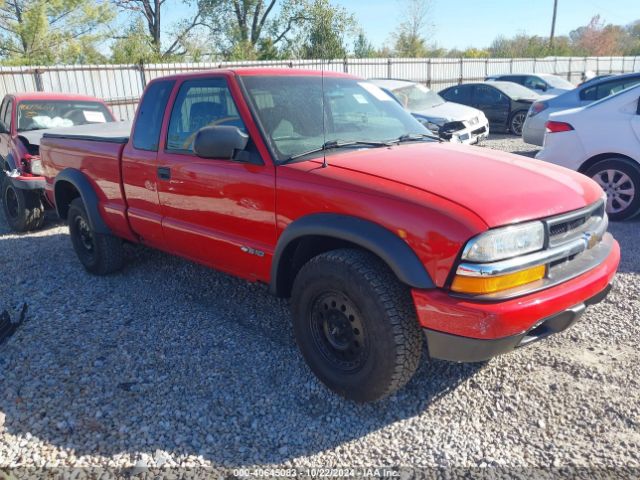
(326, 27)
(134, 46)
(52, 31)
(242, 28)
(362, 48)
(409, 38)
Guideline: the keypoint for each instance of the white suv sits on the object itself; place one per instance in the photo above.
(601, 140)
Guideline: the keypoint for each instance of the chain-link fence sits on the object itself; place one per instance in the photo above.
(122, 85)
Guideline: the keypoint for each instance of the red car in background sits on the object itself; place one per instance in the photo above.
(24, 117)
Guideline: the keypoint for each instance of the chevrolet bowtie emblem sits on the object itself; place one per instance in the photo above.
(591, 240)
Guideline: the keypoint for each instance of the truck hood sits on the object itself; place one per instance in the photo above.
(449, 112)
(500, 188)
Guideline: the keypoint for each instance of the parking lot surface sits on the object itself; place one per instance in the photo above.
(171, 364)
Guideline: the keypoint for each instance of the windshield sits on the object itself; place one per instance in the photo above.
(290, 110)
(557, 82)
(516, 91)
(417, 97)
(38, 115)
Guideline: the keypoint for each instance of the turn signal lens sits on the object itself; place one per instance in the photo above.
(484, 285)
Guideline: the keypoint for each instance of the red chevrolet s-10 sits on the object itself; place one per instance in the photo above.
(321, 186)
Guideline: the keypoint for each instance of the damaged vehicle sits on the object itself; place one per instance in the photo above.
(451, 121)
(24, 118)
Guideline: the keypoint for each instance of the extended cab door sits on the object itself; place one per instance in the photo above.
(220, 212)
(139, 165)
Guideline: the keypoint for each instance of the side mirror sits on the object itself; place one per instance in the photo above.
(221, 142)
(543, 87)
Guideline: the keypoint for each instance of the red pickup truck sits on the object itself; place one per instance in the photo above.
(324, 188)
(24, 117)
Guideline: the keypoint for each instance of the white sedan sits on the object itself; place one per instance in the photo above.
(450, 121)
(601, 140)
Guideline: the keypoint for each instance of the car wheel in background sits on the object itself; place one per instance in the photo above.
(620, 179)
(355, 324)
(22, 209)
(517, 122)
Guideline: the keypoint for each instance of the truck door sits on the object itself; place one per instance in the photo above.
(139, 165)
(219, 212)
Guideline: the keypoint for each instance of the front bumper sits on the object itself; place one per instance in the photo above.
(27, 183)
(470, 135)
(445, 346)
(459, 321)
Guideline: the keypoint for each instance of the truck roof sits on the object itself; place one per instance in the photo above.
(261, 71)
(22, 96)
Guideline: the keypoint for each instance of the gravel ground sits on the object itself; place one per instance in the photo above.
(171, 364)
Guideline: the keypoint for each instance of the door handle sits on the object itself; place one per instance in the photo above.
(164, 173)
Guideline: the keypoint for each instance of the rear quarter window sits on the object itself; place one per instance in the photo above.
(146, 135)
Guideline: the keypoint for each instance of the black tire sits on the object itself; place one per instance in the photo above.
(23, 209)
(99, 254)
(620, 179)
(516, 122)
(355, 324)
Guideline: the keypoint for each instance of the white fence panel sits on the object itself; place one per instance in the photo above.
(122, 85)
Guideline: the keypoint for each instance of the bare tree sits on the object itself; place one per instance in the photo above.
(410, 39)
(151, 12)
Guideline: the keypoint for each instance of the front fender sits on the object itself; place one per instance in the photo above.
(393, 250)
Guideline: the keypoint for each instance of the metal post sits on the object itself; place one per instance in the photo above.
(37, 74)
(389, 65)
(143, 77)
(511, 65)
(345, 65)
(429, 72)
(461, 71)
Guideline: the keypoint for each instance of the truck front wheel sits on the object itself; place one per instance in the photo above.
(99, 254)
(355, 324)
(22, 209)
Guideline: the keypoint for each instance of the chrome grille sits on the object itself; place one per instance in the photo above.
(567, 227)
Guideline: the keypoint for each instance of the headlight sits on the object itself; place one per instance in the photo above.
(505, 242)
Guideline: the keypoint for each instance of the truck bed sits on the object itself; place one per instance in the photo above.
(114, 132)
(95, 150)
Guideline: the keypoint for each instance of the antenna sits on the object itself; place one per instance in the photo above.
(324, 126)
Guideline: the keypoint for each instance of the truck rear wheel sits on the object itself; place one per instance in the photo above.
(99, 254)
(22, 209)
(355, 324)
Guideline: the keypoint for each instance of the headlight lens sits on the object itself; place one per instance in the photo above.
(505, 242)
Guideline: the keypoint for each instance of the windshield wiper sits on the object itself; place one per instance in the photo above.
(333, 144)
(415, 137)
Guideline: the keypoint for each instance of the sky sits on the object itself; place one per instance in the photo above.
(475, 23)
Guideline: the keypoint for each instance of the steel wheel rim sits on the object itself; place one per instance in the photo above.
(517, 123)
(11, 201)
(337, 331)
(618, 186)
(84, 234)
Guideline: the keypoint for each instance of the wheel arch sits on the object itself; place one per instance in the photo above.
(314, 234)
(606, 156)
(70, 184)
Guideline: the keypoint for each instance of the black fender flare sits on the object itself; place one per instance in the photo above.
(393, 250)
(89, 197)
